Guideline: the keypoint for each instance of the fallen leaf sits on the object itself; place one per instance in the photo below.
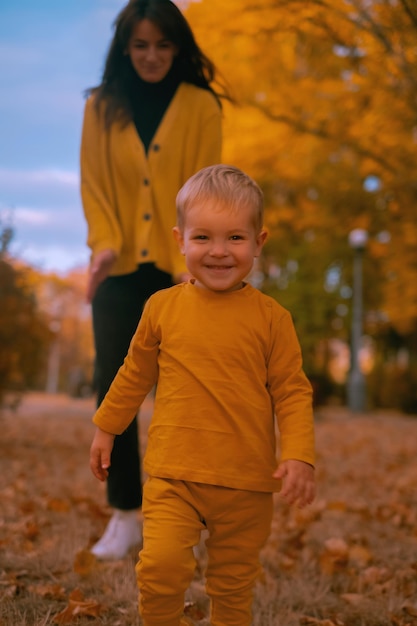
(58, 505)
(337, 547)
(193, 611)
(9, 586)
(353, 598)
(77, 606)
(410, 609)
(8, 592)
(287, 562)
(54, 592)
(313, 621)
(31, 530)
(375, 575)
(335, 555)
(84, 563)
(336, 506)
(360, 555)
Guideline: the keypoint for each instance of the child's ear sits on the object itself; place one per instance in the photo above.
(179, 238)
(260, 240)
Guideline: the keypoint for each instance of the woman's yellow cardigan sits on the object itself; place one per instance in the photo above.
(129, 196)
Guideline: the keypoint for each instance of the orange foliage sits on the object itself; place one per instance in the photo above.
(326, 96)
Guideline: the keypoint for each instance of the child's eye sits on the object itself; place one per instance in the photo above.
(201, 237)
(236, 237)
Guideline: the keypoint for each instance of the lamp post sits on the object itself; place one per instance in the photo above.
(356, 391)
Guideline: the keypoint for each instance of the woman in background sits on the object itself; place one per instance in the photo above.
(153, 121)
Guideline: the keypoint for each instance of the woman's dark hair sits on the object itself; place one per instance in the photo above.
(191, 64)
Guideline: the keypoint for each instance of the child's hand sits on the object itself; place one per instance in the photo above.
(100, 453)
(298, 485)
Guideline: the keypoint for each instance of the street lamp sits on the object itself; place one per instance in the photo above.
(356, 390)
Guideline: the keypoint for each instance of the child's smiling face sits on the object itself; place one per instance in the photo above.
(219, 244)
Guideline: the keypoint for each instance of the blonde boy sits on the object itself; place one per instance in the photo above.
(226, 359)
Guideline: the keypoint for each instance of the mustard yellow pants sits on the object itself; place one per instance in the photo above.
(175, 513)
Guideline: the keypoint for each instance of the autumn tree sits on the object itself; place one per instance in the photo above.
(71, 351)
(326, 122)
(45, 327)
(24, 330)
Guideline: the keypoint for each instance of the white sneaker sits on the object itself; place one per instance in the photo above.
(121, 534)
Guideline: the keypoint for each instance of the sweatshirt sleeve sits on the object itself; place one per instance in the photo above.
(134, 380)
(291, 392)
(103, 227)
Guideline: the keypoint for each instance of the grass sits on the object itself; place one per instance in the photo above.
(348, 560)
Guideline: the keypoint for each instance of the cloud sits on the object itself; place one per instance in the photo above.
(43, 207)
(31, 217)
(45, 189)
(52, 257)
(9, 178)
(50, 239)
(50, 52)
(65, 222)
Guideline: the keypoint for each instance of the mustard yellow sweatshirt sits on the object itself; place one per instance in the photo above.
(225, 363)
(128, 196)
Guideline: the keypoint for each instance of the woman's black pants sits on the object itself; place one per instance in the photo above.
(117, 308)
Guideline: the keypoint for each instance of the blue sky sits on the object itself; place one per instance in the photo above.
(50, 52)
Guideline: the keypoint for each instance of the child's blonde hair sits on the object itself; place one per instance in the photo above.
(227, 185)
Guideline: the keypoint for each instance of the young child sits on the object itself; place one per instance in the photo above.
(226, 360)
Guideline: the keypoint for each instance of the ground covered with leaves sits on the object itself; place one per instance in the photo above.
(348, 560)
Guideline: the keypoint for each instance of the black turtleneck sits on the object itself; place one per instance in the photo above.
(149, 103)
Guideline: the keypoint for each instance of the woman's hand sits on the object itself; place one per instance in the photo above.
(100, 267)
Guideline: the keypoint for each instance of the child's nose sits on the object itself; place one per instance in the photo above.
(218, 248)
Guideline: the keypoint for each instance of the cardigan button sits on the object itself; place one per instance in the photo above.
(147, 217)
(146, 181)
(144, 253)
(156, 147)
